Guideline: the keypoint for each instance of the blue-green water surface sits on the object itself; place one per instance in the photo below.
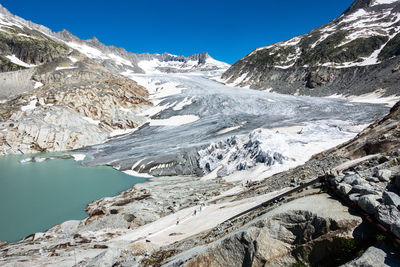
(35, 196)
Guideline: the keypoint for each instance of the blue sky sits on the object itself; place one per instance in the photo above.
(228, 30)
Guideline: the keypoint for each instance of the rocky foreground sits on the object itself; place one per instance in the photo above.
(341, 207)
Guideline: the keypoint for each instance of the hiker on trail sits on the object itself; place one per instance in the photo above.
(201, 207)
(194, 213)
(177, 221)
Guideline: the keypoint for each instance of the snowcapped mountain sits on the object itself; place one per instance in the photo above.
(354, 54)
(20, 38)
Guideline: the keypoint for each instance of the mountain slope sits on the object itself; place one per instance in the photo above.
(53, 97)
(59, 92)
(25, 44)
(356, 53)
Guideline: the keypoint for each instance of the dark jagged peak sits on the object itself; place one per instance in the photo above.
(358, 4)
(201, 58)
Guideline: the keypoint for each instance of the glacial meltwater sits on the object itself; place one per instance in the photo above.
(34, 196)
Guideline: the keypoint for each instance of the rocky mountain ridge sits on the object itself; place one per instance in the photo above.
(354, 54)
(114, 58)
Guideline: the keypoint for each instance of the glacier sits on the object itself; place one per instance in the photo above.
(200, 126)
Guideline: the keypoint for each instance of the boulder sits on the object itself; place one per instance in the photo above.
(397, 181)
(106, 258)
(129, 217)
(375, 256)
(344, 188)
(352, 179)
(395, 228)
(391, 198)
(387, 215)
(364, 189)
(372, 179)
(369, 203)
(354, 197)
(383, 175)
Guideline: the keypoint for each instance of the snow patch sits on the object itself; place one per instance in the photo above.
(74, 60)
(92, 121)
(383, 2)
(87, 50)
(175, 120)
(66, 68)
(122, 132)
(181, 105)
(137, 174)
(79, 157)
(19, 62)
(38, 84)
(119, 60)
(31, 105)
(230, 129)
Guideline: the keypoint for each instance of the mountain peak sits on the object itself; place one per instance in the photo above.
(358, 4)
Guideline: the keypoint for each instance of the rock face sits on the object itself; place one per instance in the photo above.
(373, 188)
(16, 82)
(354, 54)
(68, 115)
(375, 256)
(294, 233)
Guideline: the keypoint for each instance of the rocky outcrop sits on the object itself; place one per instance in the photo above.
(373, 189)
(354, 54)
(375, 256)
(295, 233)
(64, 116)
(36, 48)
(15, 83)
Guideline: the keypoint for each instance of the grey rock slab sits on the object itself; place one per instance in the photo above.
(106, 258)
(397, 181)
(391, 198)
(388, 215)
(352, 179)
(369, 203)
(375, 256)
(384, 175)
(395, 228)
(364, 189)
(372, 179)
(344, 188)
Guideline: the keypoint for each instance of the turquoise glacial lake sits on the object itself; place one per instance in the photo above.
(34, 196)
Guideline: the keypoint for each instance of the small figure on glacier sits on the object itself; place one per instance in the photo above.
(194, 212)
(177, 221)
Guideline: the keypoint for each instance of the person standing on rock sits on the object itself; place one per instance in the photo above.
(177, 221)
